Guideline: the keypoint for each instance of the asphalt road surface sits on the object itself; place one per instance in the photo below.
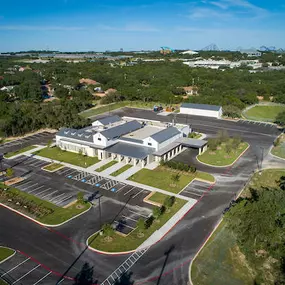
(167, 262)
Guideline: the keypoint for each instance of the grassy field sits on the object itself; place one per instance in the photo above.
(264, 113)
(22, 150)
(53, 166)
(68, 157)
(59, 214)
(220, 157)
(280, 149)
(220, 261)
(160, 178)
(107, 165)
(158, 198)
(121, 170)
(132, 241)
(5, 252)
(195, 136)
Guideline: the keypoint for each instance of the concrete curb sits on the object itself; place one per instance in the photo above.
(42, 224)
(51, 171)
(202, 246)
(224, 166)
(10, 256)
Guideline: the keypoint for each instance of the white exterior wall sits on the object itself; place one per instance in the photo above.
(96, 123)
(200, 112)
(171, 140)
(99, 139)
(74, 147)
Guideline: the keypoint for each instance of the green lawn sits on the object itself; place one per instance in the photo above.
(158, 198)
(66, 156)
(5, 252)
(160, 178)
(107, 165)
(53, 166)
(220, 261)
(280, 149)
(264, 113)
(194, 136)
(121, 170)
(58, 215)
(220, 157)
(10, 154)
(132, 241)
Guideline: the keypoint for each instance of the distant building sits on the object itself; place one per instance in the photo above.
(88, 81)
(190, 52)
(201, 110)
(190, 90)
(252, 53)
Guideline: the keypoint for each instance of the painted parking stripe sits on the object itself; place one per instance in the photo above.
(25, 188)
(138, 213)
(128, 218)
(15, 267)
(137, 194)
(65, 199)
(49, 194)
(23, 182)
(129, 191)
(43, 191)
(42, 278)
(36, 189)
(62, 171)
(121, 188)
(39, 163)
(55, 198)
(26, 274)
(199, 195)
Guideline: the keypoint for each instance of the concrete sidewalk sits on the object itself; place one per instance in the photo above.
(128, 173)
(113, 168)
(38, 147)
(98, 164)
(159, 234)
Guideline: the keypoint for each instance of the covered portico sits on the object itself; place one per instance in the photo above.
(130, 154)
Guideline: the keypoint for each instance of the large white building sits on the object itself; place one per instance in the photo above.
(135, 141)
(201, 110)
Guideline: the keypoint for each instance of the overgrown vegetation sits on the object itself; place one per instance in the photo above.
(178, 165)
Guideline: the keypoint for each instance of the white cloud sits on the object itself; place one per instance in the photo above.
(129, 28)
(38, 28)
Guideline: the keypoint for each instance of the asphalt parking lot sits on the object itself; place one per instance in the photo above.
(23, 270)
(195, 189)
(39, 138)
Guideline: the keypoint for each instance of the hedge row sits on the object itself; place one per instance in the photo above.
(178, 166)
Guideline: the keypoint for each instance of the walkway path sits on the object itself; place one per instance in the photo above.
(98, 164)
(128, 173)
(113, 168)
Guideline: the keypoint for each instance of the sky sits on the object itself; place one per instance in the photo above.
(92, 25)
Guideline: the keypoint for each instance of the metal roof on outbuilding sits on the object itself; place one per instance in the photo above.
(201, 106)
(121, 130)
(109, 120)
(130, 150)
(165, 134)
(192, 142)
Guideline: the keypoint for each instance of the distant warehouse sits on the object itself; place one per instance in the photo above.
(201, 110)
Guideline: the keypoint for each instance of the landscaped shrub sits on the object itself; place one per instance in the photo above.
(179, 166)
(213, 144)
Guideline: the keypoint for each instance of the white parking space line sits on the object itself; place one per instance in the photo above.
(25, 182)
(30, 186)
(36, 189)
(137, 194)
(49, 194)
(42, 278)
(71, 172)
(63, 171)
(15, 267)
(38, 163)
(65, 199)
(55, 198)
(128, 218)
(129, 191)
(43, 191)
(26, 274)
(137, 213)
(187, 191)
(119, 189)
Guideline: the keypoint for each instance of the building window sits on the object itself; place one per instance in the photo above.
(149, 143)
(99, 139)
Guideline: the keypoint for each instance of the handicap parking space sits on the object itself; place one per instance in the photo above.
(60, 196)
(195, 189)
(126, 222)
(23, 270)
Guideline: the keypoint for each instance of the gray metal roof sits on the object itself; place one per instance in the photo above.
(192, 142)
(131, 140)
(201, 106)
(81, 134)
(130, 150)
(121, 130)
(166, 149)
(165, 134)
(109, 120)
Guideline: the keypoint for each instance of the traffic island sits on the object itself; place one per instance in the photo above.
(39, 210)
(223, 156)
(113, 242)
(279, 147)
(5, 253)
(171, 180)
(52, 167)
